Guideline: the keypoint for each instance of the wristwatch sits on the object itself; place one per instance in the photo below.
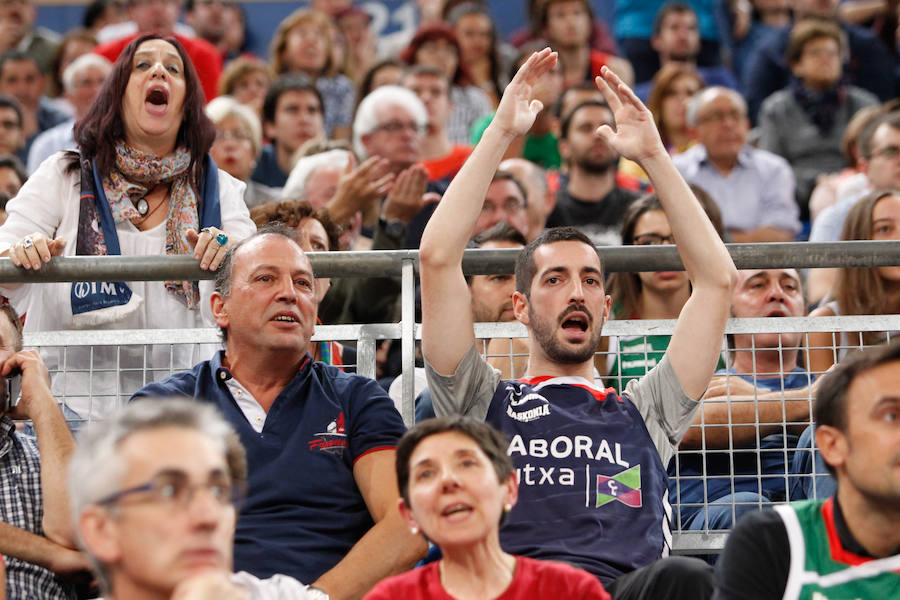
(314, 593)
(393, 228)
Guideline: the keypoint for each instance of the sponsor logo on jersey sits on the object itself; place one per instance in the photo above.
(333, 440)
(624, 487)
(525, 407)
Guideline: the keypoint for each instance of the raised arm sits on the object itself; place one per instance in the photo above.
(447, 322)
(694, 349)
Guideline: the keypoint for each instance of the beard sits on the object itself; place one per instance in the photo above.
(483, 313)
(544, 332)
(597, 166)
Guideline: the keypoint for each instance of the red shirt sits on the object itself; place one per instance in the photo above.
(536, 579)
(448, 166)
(206, 59)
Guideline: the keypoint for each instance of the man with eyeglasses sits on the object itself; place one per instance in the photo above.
(753, 188)
(591, 199)
(154, 493)
(879, 161)
(36, 538)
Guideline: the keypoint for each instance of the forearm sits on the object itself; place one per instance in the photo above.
(387, 549)
(738, 421)
(450, 227)
(55, 444)
(27, 546)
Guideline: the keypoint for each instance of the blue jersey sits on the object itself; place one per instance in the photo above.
(592, 481)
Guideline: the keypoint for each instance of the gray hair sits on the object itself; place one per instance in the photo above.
(366, 120)
(699, 101)
(295, 187)
(96, 469)
(223, 107)
(82, 63)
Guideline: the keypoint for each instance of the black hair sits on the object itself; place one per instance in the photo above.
(293, 82)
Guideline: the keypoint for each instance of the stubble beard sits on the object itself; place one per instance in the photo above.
(544, 333)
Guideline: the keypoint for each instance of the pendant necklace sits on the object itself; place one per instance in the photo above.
(142, 207)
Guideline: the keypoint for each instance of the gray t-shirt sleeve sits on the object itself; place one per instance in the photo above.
(468, 391)
(667, 410)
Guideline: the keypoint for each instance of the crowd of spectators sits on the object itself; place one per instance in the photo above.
(150, 129)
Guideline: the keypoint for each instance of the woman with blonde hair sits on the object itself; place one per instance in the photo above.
(304, 43)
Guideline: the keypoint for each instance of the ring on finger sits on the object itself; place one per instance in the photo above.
(27, 242)
(221, 239)
(206, 230)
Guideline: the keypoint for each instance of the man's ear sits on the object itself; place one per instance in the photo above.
(564, 150)
(270, 130)
(832, 444)
(520, 308)
(654, 43)
(98, 531)
(219, 311)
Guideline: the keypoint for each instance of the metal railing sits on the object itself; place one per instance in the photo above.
(403, 265)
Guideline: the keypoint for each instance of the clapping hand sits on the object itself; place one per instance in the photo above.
(635, 136)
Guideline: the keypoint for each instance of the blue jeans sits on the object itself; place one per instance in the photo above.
(810, 475)
(718, 514)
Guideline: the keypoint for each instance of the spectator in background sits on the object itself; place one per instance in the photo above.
(647, 295)
(36, 536)
(863, 290)
(879, 150)
(18, 32)
(292, 114)
(805, 122)
(753, 188)
(479, 47)
(763, 18)
(670, 91)
(12, 177)
(385, 72)
(850, 538)
(209, 19)
(440, 157)
(436, 45)
(160, 17)
(601, 38)
(566, 25)
(246, 79)
(100, 13)
(539, 198)
(591, 200)
(238, 145)
(541, 144)
(354, 25)
(303, 44)
(76, 42)
(82, 81)
(676, 39)
(752, 414)
(21, 78)
(135, 482)
(12, 134)
(869, 66)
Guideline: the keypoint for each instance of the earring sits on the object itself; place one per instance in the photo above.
(507, 507)
(414, 530)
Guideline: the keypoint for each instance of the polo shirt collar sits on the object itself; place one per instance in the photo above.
(223, 374)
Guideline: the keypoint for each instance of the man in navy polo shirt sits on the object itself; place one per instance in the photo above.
(322, 493)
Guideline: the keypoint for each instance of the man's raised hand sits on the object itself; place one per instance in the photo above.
(518, 108)
(635, 136)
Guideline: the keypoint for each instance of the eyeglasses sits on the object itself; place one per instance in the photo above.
(174, 489)
(888, 152)
(509, 206)
(241, 136)
(653, 239)
(398, 126)
(719, 116)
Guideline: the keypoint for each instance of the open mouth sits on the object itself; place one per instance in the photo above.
(157, 100)
(575, 322)
(285, 318)
(455, 509)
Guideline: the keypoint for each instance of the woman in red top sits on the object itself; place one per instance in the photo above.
(457, 483)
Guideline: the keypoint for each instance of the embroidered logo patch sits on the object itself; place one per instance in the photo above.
(525, 407)
(624, 487)
(333, 439)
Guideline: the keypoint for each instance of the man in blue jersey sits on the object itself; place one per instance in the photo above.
(322, 493)
(847, 546)
(591, 464)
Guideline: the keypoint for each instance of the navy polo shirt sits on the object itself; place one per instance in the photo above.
(303, 511)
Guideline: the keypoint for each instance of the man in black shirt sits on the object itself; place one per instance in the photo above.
(590, 199)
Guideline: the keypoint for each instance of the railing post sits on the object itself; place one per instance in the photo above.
(365, 353)
(408, 339)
